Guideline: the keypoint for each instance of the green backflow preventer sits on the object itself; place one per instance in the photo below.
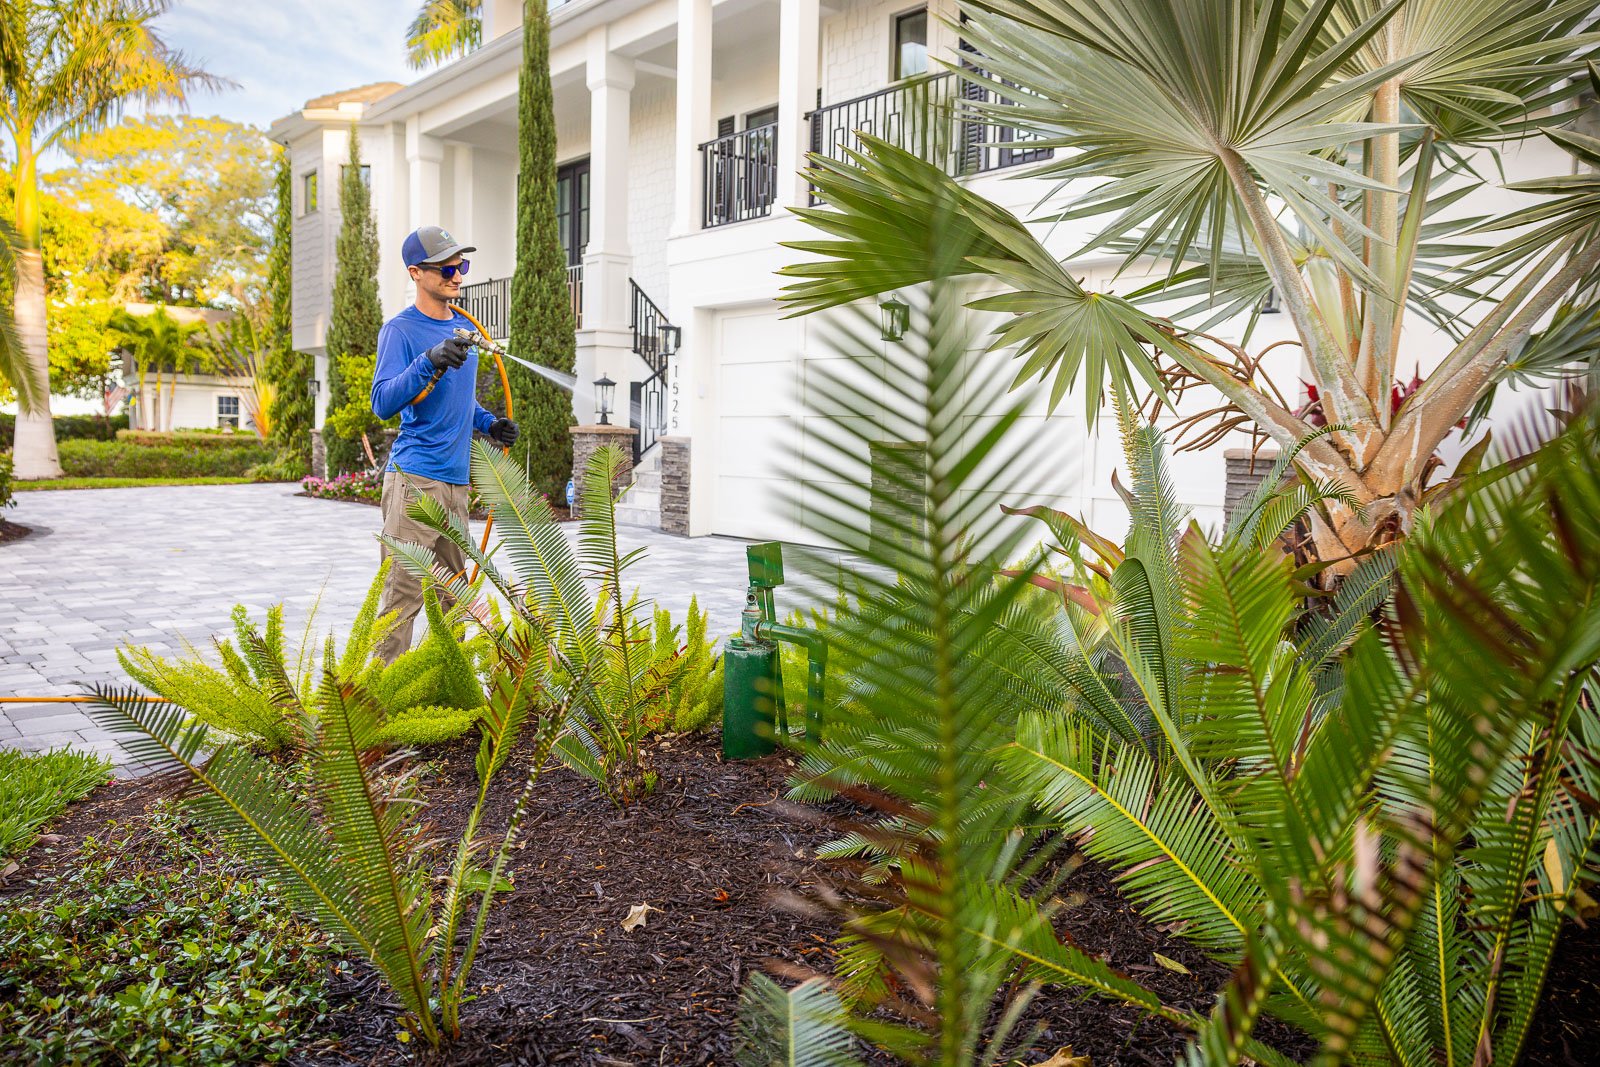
(753, 715)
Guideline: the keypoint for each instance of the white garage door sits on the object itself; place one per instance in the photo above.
(782, 455)
(758, 424)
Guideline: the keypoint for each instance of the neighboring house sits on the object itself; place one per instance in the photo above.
(185, 400)
(682, 125)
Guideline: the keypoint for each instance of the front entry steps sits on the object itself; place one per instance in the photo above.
(640, 503)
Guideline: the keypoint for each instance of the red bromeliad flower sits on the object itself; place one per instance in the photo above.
(1311, 411)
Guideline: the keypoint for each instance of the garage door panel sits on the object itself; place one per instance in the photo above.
(759, 337)
(837, 386)
(758, 508)
(758, 447)
(836, 448)
(758, 389)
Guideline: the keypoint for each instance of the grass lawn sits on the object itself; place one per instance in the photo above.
(122, 483)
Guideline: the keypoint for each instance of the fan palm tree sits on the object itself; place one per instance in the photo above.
(1315, 149)
(1379, 827)
(443, 30)
(159, 341)
(68, 67)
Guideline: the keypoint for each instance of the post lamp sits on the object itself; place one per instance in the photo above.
(603, 388)
(896, 318)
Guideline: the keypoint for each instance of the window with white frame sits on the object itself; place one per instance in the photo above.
(228, 412)
(308, 192)
(910, 44)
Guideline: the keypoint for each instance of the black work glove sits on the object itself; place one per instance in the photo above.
(503, 432)
(451, 352)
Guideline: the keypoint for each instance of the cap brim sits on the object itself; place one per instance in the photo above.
(453, 250)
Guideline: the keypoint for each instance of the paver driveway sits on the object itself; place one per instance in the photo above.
(162, 566)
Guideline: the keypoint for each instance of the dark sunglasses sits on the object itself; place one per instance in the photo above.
(448, 270)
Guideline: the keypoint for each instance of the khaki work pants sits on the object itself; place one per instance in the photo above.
(402, 592)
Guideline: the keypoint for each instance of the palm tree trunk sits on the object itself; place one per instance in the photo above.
(34, 450)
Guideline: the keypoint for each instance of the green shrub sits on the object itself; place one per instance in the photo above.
(264, 693)
(6, 498)
(285, 467)
(178, 958)
(36, 787)
(191, 438)
(68, 427)
(693, 697)
(186, 458)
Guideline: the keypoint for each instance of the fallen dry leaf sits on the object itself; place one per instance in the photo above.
(1065, 1058)
(636, 915)
(1171, 965)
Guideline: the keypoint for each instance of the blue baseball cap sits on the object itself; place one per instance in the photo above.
(431, 244)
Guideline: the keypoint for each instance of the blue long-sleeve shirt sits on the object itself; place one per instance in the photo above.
(436, 435)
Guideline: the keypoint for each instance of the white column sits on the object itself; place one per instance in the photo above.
(694, 110)
(609, 258)
(797, 95)
(424, 155)
(459, 211)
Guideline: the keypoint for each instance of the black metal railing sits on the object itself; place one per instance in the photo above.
(739, 176)
(575, 292)
(490, 303)
(926, 117)
(655, 340)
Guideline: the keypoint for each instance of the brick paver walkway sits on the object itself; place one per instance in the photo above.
(164, 566)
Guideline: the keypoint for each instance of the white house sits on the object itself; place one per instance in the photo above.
(682, 125)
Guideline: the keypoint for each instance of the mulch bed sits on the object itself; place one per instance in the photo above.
(13, 531)
(561, 982)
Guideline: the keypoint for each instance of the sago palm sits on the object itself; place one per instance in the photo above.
(68, 67)
(1308, 833)
(573, 592)
(1223, 150)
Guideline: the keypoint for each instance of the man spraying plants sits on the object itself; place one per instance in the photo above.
(427, 374)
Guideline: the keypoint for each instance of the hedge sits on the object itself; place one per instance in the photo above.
(68, 428)
(5, 480)
(121, 459)
(195, 438)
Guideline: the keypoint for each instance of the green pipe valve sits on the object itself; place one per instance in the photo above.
(753, 712)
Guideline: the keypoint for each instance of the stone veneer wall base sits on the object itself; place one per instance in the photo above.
(586, 441)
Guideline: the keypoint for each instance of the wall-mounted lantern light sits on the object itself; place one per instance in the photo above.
(603, 388)
(1269, 302)
(671, 338)
(316, 387)
(896, 318)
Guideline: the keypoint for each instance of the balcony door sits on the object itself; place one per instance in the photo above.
(572, 209)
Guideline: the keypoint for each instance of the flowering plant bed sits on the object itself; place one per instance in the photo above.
(366, 487)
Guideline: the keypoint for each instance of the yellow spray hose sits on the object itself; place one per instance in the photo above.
(505, 386)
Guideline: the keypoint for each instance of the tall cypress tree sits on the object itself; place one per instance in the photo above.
(356, 316)
(288, 371)
(542, 327)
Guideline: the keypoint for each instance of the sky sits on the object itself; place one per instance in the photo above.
(284, 52)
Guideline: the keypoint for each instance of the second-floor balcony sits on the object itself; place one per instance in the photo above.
(490, 302)
(924, 116)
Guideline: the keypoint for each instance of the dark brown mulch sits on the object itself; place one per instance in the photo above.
(13, 531)
(560, 981)
(1567, 1022)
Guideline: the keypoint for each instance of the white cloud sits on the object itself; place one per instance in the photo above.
(284, 52)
